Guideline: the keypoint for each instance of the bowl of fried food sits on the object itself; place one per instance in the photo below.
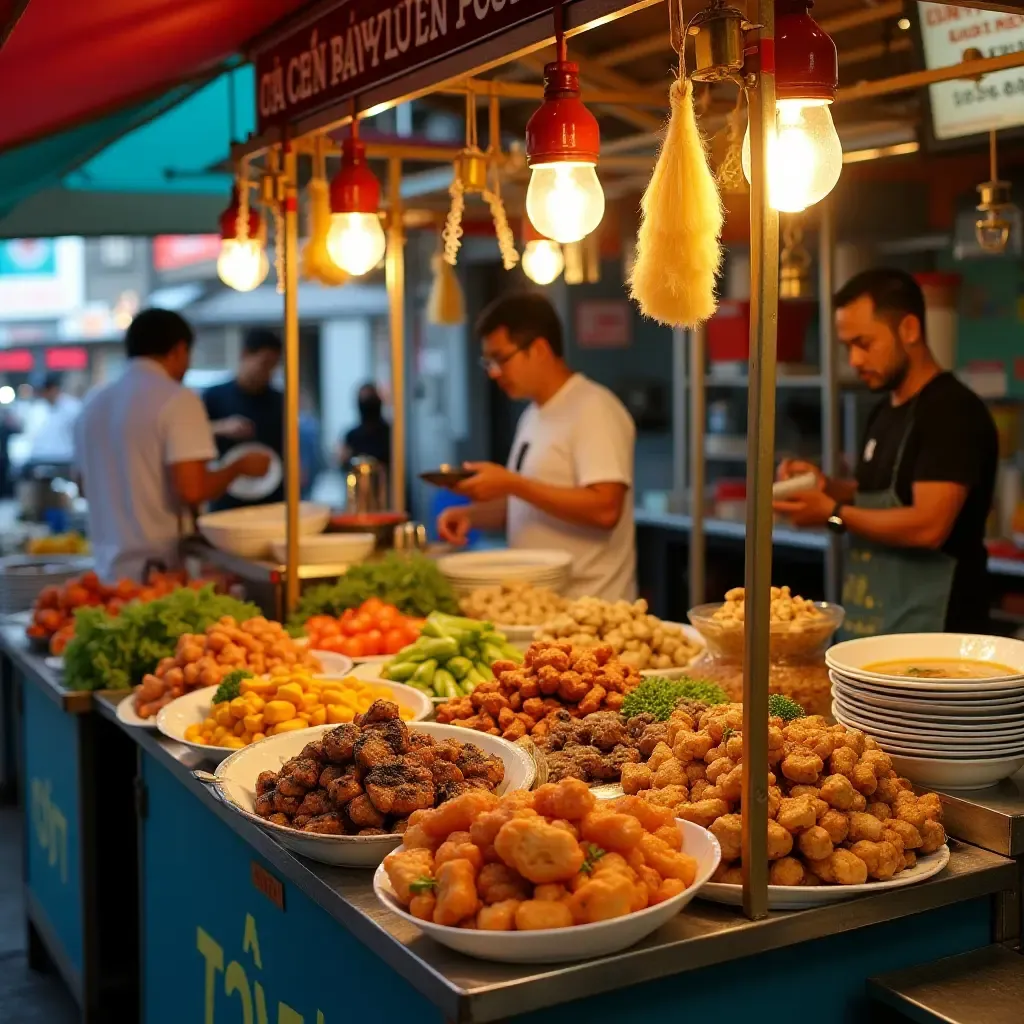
(544, 877)
(343, 794)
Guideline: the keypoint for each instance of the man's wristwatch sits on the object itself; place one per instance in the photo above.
(835, 521)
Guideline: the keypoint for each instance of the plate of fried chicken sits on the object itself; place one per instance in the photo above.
(344, 794)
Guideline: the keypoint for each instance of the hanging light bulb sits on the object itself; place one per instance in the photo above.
(355, 241)
(564, 200)
(543, 260)
(542, 257)
(805, 157)
(242, 263)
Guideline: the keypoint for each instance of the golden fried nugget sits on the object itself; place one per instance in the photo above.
(456, 892)
(933, 835)
(728, 830)
(786, 871)
(458, 815)
(836, 824)
(498, 883)
(864, 826)
(423, 905)
(802, 765)
(728, 874)
(570, 799)
(498, 917)
(601, 899)
(651, 816)
(669, 773)
(882, 811)
(610, 831)
(780, 841)
(404, 867)
(667, 862)
(842, 761)
(797, 813)
(910, 835)
(538, 851)
(815, 843)
(838, 792)
(669, 888)
(702, 812)
(636, 777)
(846, 868)
(863, 779)
(538, 915)
(881, 859)
(931, 805)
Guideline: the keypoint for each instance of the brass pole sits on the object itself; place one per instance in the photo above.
(829, 379)
(291, 374)
(698, 428)
(764, 305)
(394, 273)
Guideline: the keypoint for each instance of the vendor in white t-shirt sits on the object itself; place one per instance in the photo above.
(569, 475)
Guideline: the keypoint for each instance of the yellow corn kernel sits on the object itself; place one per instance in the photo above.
(363, 704)
(253, 723)
(332, 697)
(405, 713)
(193, 733)
(263, 687)
(278, 711)
(223, 716)
(239, 708)
(279, 671)
(219, 733)
(210, 723)
(291, 692)
(318, 716)
(239, 727)
(246, 738)
(255, 702)
(232, 742)
(350, 700)
(338, 713)
(292, 725)
(257, 736)
(310, 701)
(304, 716)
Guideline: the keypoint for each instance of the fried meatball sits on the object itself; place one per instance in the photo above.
(372, 750)
(728, 830)
(400, 788)
(780, 842)
(836, 824)
(379, 711)
(363, 814)
(815, 843)
(847, 868)
(345, 787)
(339, 742)
(315, 803)
(265, 782)
(882, 860)
(864, 826)
(314, 750)
(635, 777)
(786, 871)
(802, 766)
(933, 835)
(838, 792)
(797, 813)
(329, 824)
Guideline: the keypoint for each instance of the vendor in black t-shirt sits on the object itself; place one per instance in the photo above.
(248, 408)
(915, 514)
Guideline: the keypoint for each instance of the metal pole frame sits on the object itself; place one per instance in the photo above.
(764, 304)
(698, 457)
(394, 274)
(293, 469)
(829, 381)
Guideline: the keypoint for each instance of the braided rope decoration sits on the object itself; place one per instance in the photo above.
(451, 234)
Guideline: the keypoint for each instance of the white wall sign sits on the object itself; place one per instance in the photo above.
(961, 107)
(41, 279)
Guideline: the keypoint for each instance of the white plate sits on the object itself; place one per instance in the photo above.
(559, 945)
(928, 734)
(929, 689)
(937, 773)
(851, 656)
(939, 723)
(801, 897)
(254, 488)
(54, 663)
(192, 708)
(127, 715)
(238, 774)
(1000, 705)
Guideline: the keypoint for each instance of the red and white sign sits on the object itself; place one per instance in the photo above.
(172, 252)
(961, 107)
(604, 323)
(67, 357)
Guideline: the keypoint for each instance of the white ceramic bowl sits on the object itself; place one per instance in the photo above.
(328, 548)
(249, 532)
(851, 657)
(937, 773)
(192, 708)
(333, 664)
(238, 774)
(558, 945)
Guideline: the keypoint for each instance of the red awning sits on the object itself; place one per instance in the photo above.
(68, 61)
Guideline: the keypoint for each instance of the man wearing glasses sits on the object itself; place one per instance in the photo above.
(570, 471)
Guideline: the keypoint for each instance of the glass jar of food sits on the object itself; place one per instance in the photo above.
(800, 632)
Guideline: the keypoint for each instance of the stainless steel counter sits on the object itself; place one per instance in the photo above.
(992, 818)
(467, 989)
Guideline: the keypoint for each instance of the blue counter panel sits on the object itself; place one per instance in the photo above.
(217, 947)
(51, 787)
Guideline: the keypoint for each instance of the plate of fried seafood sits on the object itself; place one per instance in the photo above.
(344, 794)
(841, 821)
(544, 877)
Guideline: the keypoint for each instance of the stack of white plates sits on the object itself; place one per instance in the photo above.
(941, 731)
(23, 577)
(470, 570)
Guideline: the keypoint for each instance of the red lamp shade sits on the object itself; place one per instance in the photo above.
(229, 219)
(355, 188)
(807, 64)
(562, 129)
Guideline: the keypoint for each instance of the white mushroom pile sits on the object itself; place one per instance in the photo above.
(513, 604)
(639, 639)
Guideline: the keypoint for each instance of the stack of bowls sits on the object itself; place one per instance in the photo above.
(535, 566)
(251, 531)
(942, 730)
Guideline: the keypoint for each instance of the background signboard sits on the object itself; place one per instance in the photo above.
(41, 278)
(962, 108)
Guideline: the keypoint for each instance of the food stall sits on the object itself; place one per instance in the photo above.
(231, 915)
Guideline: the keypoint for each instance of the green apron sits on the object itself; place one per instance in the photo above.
(892, 589)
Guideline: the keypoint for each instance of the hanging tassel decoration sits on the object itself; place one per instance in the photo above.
(317, 264)
(730, 171)
(678, 252)
(446, 305)
(451, 234)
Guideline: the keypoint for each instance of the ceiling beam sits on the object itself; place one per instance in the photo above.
(874, 51)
